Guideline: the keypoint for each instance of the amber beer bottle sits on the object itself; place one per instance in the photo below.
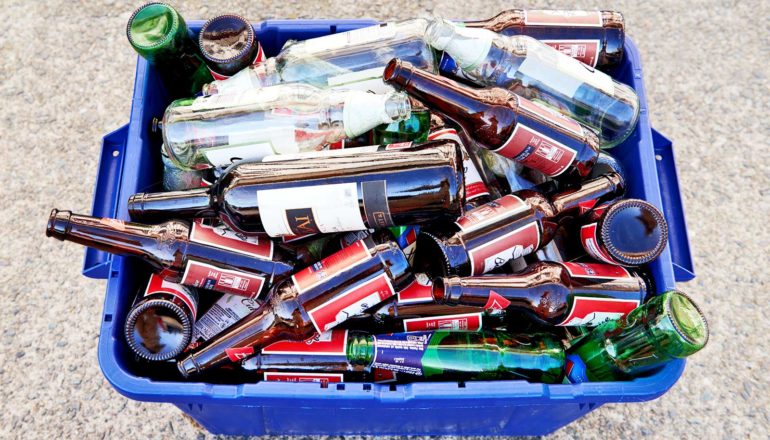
(593, 37)
(564, 294)
(315, 299)
(510, 227)
(503, 122)
(195, 255)
(328, 193)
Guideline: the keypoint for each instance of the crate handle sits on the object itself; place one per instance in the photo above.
(96, 264)
(679, 243)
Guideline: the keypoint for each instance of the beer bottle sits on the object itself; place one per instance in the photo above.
(228, 45)
(540, 73)
(216, 131)
(503, 122)
(669, 326)
(510, 227)
(594, 38)
(225, 312)
(350, 60)
(628, 232)
(159, 34)
(563, 294)
(439, 355)
(313, 300)
(159, 325)
(345, 190)
(197, 255)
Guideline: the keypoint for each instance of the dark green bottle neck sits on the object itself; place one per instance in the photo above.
(360, 349)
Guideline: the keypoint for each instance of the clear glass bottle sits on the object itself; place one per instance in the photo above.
(541, 73)
(348, 60)
(218, 130)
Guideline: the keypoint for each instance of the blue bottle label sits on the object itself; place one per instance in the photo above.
(574, 370)
(401, 352)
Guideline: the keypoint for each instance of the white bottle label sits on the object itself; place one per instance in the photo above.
(228, 310)
(369, 80)
(225, 156)
(310, 209)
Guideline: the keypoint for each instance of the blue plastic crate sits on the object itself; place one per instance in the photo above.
(130, 163)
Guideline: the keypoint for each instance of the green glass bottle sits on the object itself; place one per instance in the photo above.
(159, 34)
(458, 355)
(414, 129)
(667, 327)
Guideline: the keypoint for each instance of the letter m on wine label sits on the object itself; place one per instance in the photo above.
(301, 221)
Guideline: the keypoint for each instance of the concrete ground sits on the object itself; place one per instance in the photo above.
(66, 74)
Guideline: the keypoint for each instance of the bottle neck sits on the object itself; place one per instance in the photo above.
(110, 235)
(364, 111)
(190, 203)
(597, 190)
(442, 94)
(500, 22)
(360, 349)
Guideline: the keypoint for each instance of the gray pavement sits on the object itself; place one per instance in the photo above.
(66, 74)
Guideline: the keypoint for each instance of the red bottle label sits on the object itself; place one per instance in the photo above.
(495, 253)
(596, 270)
(351, 302)
(467, 322)
(206, 276)
(158, 284)
(585, 51)
(417, 292)
(537, 151)
(546, 17)
(591, 311)
(239, 353)
(384, 376)
(257, 59)
(551, 116)
(331, 343)
(496, 302)
(474, 185)
(258, 246)
(586, 206)
(323, 378)
(591, 243)
(490, 213)
(330, 266)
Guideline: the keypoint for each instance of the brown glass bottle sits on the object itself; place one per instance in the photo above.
(628, 232)
(564, 294)
(332, 192)
(510, 227)
(394, 317)
(228, 45)
(594, 37)
(315, 299)
(196, 255)
(503, 122)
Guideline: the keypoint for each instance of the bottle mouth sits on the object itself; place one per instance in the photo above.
(155, 347)
(398, 73)
(58, 224)
(439, 33)
(398, 107)
(430, 256)
(152, 11)
(687, 319)
(188, 366)
(232, 25)
(136, 205)
(640, 220)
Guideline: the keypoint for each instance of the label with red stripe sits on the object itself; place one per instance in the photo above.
(207, 276)
(596, 270)
(330, 266)
(239, 353)
(352, 302)
(496, 302)
(552, 116)
(499, 251)
(591, 311)
(158, 284)
(490, 213)
(331, 343)
(466, 322)
(591, 243)
(420, 291)
(535, 150)
(585, 51)
(549, 17)
(474, 185)
(323, 378)
(225, 238)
